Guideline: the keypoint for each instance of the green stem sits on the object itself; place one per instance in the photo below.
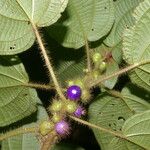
(115, 133)
(47, 62)
(89, 67)
(98, 127)
(18, 132)
(102, 79)
(39, 86)
(49, 141)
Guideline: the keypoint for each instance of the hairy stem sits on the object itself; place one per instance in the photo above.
(102, 79)
(89, 67)
(47, 62)
(98, 127)
(39, 86)
(115, 133)
(18, 132)
(49, 141)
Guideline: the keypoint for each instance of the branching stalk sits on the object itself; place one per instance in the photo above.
(89, 67)
(47, 62)
(97, 127)
(115, 133)
(18, 132)
(50, 140)
(131, 67)
(39, 86)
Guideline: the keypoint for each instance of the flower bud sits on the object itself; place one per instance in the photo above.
(56, 106)
(46, 127)
(71, 106)
(62, 128)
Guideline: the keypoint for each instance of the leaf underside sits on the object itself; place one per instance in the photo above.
(17, 34)
(80, 22)
(136, 45)
(16, 100)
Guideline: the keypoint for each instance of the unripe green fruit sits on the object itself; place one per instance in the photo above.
(56, 106)
(70, 106)
(70, 82)
(102, 66)
(79, 83)
(96, 58)
(46, 127)
(86, 96)
(95, 74)
(56, 117)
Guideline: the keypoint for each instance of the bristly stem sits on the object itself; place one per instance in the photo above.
(39, 86)
(47, 62)
(131, 67)
(115, 133)
(89, 67)
(18, 132)
(49, 141)
(97, 127)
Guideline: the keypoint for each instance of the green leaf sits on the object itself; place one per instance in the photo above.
(120, 144)
(17, 34)
(137, 129)
(16, 100)
(108, 112)
(123, 20)
(112, 67)
(27, 141)
(111, 112)
(136, 98)
(136, 45)
(66, 146)
(117, 53)
(83, 20)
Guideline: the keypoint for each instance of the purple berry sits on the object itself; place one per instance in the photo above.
(79, 112)
(74, 92)
(62, 128)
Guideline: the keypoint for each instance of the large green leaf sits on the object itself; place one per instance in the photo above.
(111, 113)
(15, 15)
(65, 146)
(108, 112)
(136, 45)
(137, 129)
(16, 100)
(83, 20)
(27, 141)
(123, 20)
(120, 144)
(136, 98)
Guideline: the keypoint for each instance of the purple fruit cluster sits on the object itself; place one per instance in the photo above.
(74, 94)
(62, 128)
(79, 112)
